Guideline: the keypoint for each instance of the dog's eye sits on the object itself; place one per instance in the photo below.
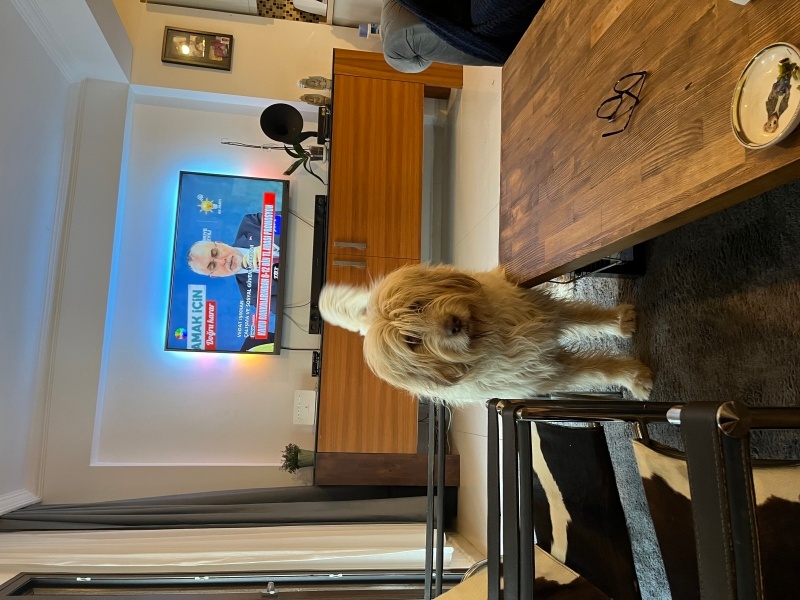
(412, 342)
(416, 307)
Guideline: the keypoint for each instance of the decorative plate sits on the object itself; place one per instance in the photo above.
(766, 101)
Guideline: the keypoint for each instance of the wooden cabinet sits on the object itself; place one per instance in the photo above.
(357, 411)
(375, 199)
(374, 226)
(345, 468)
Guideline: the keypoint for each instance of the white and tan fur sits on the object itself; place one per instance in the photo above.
(464, 336)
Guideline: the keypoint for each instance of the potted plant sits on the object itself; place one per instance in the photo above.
(296, 458)
(284, 123)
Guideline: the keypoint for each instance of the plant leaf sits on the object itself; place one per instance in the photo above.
(294, 166)
(292, 153)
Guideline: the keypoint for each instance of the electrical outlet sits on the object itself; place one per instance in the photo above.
(305, 407)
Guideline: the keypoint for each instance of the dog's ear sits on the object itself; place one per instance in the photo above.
(345, 306)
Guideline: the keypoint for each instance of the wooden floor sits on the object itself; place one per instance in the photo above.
(568, 196)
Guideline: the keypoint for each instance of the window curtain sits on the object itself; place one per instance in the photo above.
(238, 508)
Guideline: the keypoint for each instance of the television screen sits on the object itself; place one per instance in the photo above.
(226, 292)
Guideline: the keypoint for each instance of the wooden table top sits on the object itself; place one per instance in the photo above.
(568, 196)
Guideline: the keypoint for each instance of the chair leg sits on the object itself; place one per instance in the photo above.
(723, 502)
(493, 501)
(527, 564)
(511, 564)
(429, 514)
(440, 493)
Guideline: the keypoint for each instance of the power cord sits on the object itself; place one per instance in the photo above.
(309, 223)
(308, 169)
(300, 327)
(297, 305)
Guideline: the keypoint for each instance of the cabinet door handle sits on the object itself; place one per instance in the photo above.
(358, 245)
(350, 263)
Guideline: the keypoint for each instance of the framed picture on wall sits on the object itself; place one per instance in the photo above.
(197, 48)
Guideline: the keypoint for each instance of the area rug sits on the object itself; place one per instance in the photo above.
(719, 319)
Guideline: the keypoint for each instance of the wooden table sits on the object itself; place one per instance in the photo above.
(569, 197)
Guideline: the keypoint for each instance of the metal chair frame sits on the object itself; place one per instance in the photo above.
(720, 431)
(435, 491)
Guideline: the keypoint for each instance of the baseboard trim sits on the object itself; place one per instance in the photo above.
(16, 500)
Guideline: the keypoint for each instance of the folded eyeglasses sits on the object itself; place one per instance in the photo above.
(628, 88)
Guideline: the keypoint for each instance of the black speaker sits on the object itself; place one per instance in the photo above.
(318, 261)
(282, 123)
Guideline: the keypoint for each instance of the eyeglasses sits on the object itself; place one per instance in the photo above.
(628, 89)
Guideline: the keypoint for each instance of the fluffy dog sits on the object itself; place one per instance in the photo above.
(465, 336)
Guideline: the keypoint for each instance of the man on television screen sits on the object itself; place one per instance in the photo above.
(240, 260)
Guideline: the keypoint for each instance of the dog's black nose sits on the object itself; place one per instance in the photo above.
(454, 325)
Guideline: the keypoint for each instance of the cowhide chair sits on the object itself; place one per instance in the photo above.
(707, 510)
(587, 532)
(777, 510)
(554, 579)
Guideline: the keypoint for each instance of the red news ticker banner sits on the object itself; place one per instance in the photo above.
(265, 270)
(211, 325)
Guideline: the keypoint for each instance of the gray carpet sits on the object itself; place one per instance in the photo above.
(719, 319)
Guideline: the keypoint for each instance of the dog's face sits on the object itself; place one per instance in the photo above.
(427, 327)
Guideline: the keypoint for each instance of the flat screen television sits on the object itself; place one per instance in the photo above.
(227, 285)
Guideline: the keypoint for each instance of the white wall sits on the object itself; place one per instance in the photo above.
(269, 55)
(33, 120)
(103, 370)
(111, 27)
(190, 409)
(118, 399)
(112, 381)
